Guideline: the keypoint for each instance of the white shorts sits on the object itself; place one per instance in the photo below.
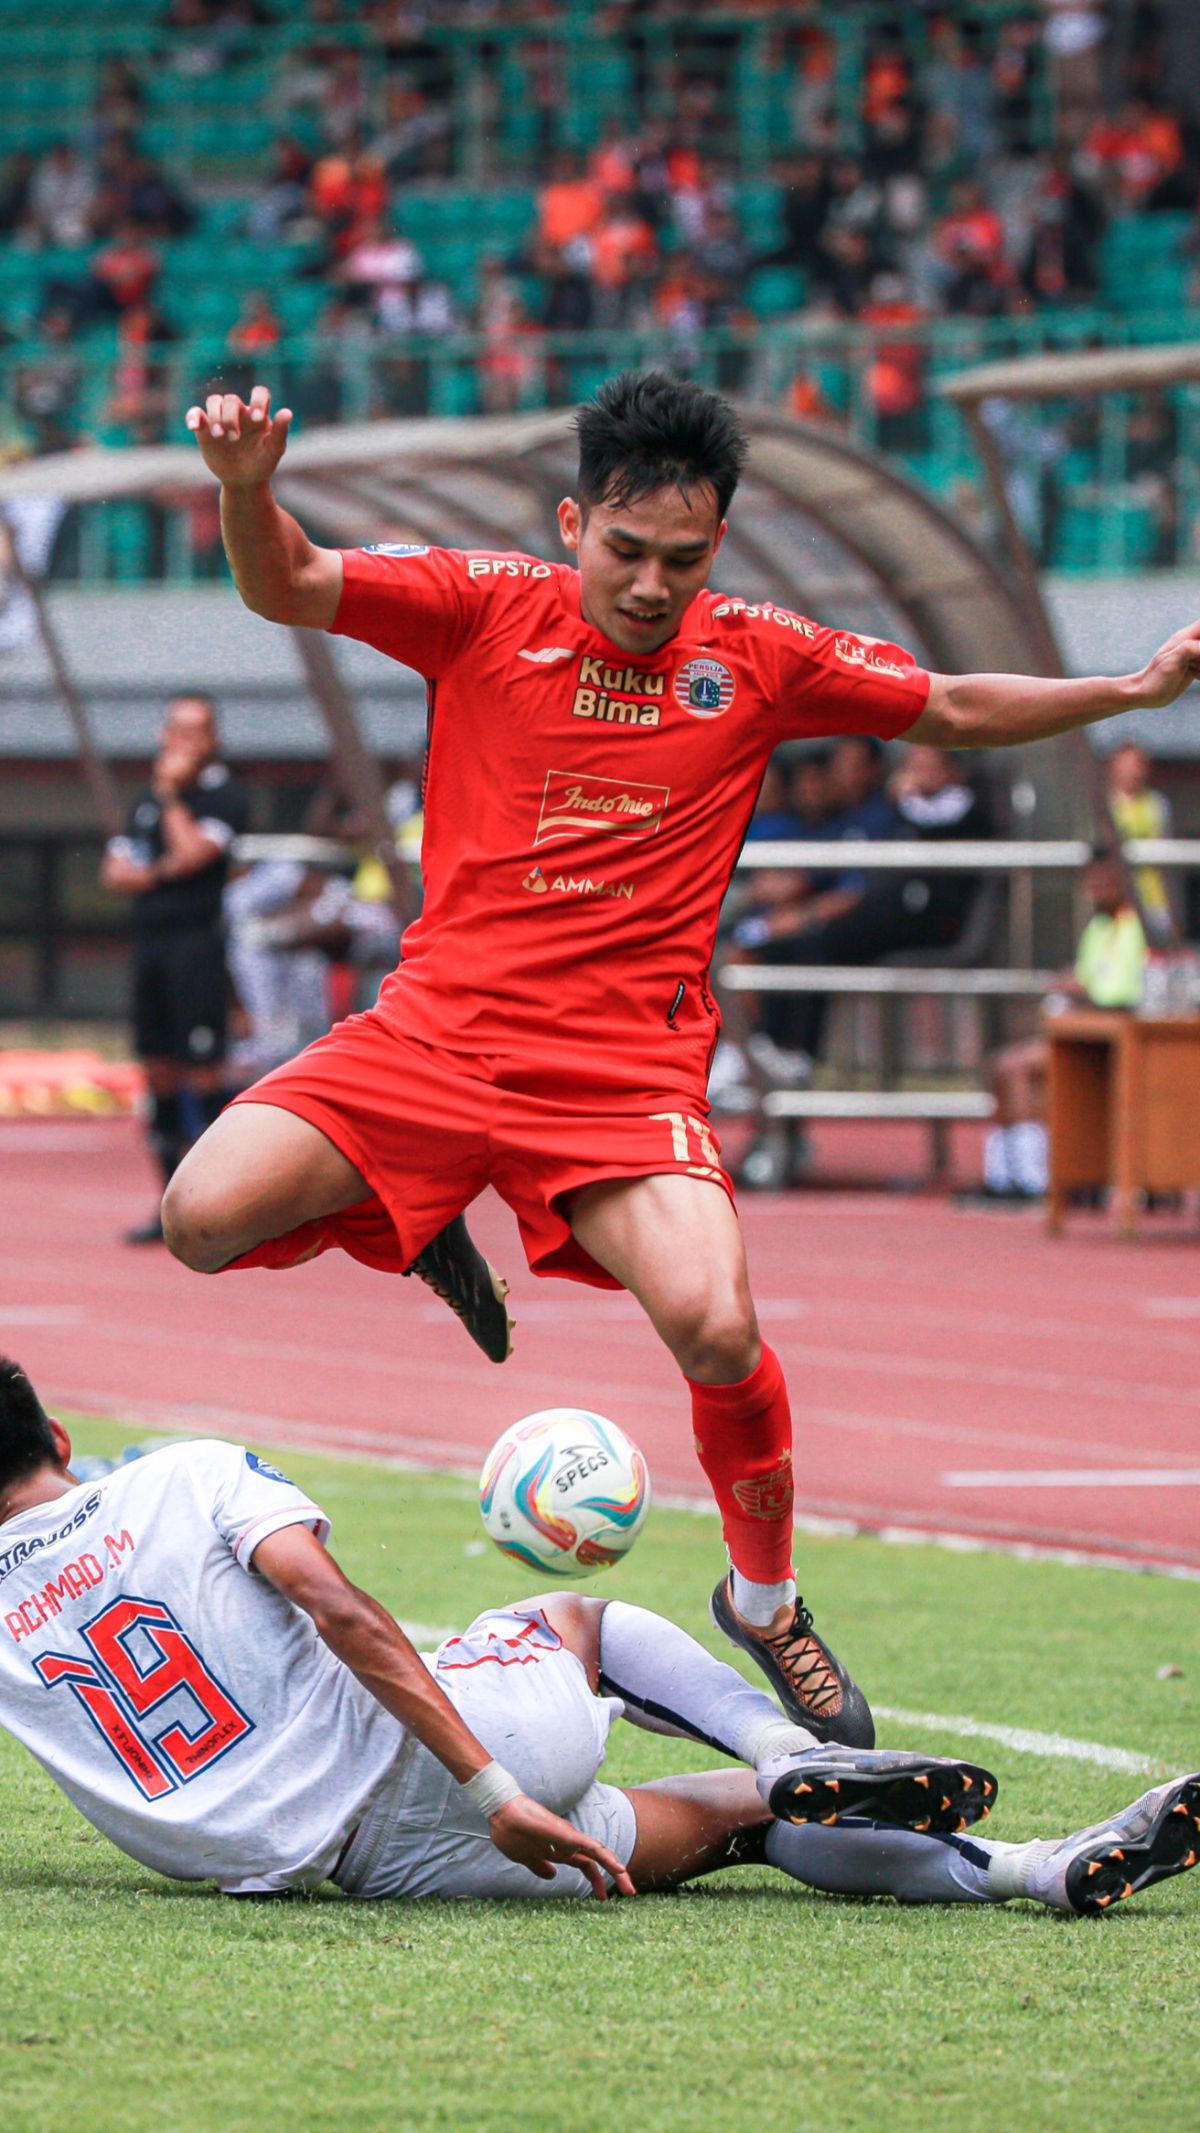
(527, 1699)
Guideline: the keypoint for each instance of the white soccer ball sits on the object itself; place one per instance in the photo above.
(564, 1491)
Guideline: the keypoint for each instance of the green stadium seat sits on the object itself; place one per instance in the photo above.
(454, 390)
(772, 291)
(761, 210)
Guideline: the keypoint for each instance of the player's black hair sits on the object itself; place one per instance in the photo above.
(645, 430)
(26, 1439)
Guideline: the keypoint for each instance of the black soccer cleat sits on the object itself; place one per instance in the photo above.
(813, 1687)
(924, 1792)
(456, 1271)
(150, 1232)
(1157, 1837)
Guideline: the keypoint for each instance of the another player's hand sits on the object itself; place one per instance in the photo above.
(178, 765)
(535, 1838)
(1173, 668)
(241, 441)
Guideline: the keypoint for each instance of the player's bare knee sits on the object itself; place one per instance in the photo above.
(193, 1228)
(717, 1343)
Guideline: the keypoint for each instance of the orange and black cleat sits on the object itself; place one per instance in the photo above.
(813, 1686)
(935, 1794)
(1158, 1836)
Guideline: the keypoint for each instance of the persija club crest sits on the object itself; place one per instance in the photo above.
(704, 687)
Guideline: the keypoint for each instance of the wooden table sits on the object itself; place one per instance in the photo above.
(1123, 1107)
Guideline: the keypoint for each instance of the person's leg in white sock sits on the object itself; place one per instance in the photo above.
(864, 1859)
(761, 1603)
(997, 1164)
(1028, 1156)
(670, 1684)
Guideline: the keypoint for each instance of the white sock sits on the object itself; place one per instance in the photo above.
(997, 1167)
(761, 1603)
(1028, 1158)
(670, 1684)
(863, 1859)
(1013, 1864)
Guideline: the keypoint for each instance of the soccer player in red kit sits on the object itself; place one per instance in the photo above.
(596, 742)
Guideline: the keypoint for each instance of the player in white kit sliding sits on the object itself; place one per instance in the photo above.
(184, 1657)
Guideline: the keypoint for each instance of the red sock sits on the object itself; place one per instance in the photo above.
(744, 1443)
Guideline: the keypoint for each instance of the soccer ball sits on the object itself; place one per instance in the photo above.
(564, 1491)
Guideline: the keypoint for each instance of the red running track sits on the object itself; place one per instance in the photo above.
(951, 1370)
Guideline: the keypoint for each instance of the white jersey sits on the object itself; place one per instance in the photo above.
(188, 1709)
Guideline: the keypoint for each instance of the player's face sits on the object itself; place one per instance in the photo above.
(1106, 886)
(640, 564)
(189, 724)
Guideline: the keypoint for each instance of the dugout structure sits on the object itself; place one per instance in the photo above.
(819, 525)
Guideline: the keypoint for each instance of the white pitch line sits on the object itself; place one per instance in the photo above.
(1171, 1306)
(428, 1635)
(1022, 1740)
(41, 1314)
(1115, 1477)
(86, 1138)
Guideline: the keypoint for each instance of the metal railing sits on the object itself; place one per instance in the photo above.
(1017, 860)
(1146, 519)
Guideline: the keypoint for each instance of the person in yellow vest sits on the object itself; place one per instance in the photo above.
(1107, 972)
(1139, 811)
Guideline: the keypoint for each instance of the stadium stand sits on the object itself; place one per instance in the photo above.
(476, 208)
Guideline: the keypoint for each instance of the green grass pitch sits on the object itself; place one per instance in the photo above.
(131, 2002)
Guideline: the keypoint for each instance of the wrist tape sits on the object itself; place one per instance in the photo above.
(491, 1789)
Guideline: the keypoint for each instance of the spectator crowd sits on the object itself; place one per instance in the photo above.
(886, 218)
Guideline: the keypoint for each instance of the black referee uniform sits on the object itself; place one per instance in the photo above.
(180, 981)
(180, 986)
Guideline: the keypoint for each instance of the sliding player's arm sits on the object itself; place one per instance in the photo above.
(364, 1637)
(1004, 710)
(278, 571)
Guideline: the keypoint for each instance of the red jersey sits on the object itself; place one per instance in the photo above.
(584, 807)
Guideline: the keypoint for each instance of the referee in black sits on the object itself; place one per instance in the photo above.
(172, 863)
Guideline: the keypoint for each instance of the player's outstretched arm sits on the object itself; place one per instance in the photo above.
(278, 571)
(365, 1638)
(1004, 710)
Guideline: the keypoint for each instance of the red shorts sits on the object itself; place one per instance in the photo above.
(430, 1129)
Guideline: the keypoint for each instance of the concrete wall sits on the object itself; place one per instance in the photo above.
(129, 650)
(1114, 625)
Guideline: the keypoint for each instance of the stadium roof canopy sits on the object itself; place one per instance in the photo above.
(819, 525)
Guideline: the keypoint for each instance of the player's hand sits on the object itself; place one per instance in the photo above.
(535, 1838)
(176, 767)
(1174, 667)
(240, 441)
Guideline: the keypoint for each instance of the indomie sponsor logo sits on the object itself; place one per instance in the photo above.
(614, 695)
(575, 803)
